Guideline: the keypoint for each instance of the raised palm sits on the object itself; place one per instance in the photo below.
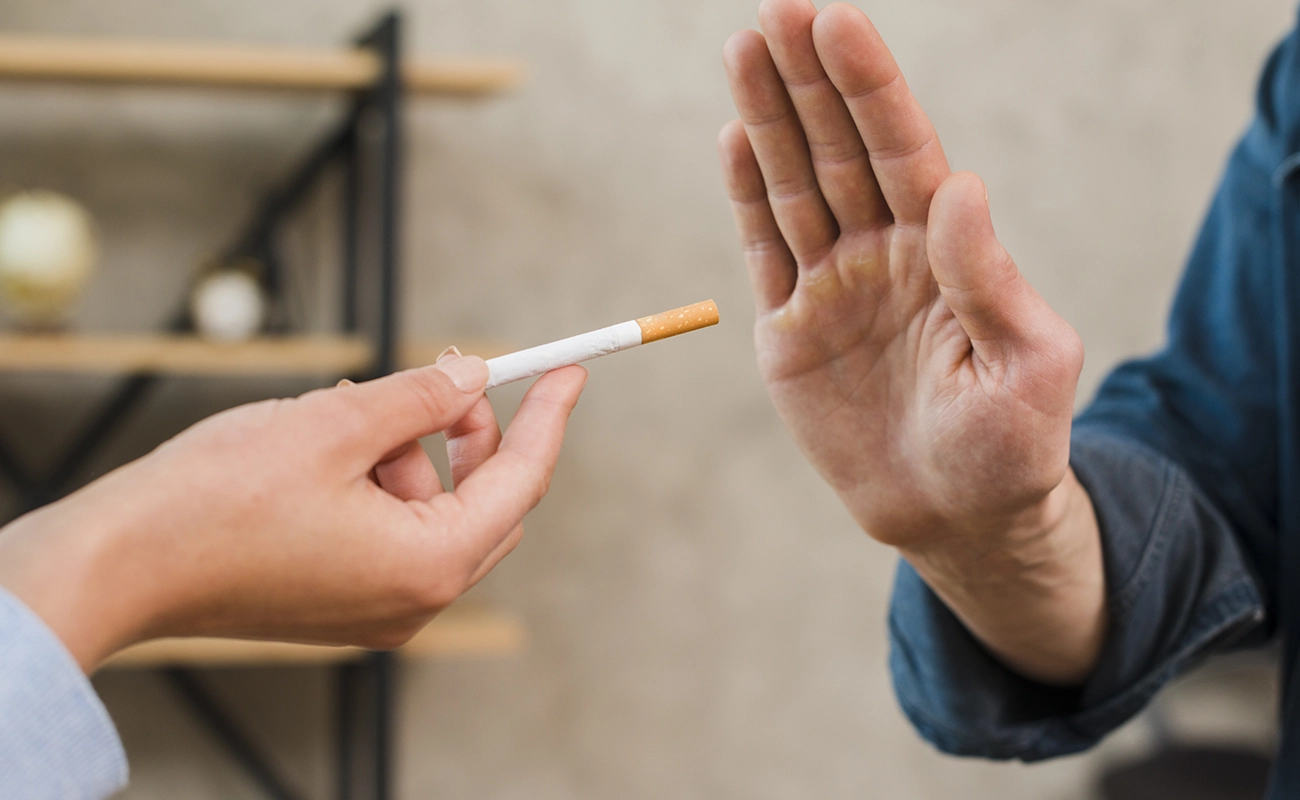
(918, 370)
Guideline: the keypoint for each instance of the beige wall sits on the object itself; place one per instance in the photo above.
(706, 621)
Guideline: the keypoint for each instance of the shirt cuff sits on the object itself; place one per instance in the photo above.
(56, 738)
(1178, 589)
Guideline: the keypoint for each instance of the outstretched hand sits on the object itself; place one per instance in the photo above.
(918, 370)
(316, 519)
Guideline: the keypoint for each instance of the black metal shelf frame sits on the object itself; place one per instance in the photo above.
(371, 170)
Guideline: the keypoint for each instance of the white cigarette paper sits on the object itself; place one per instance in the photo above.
(584, 347)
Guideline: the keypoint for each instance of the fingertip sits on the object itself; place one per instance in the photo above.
(576, 376)
(967, 181)
(839, 13)
(579, 370)
(782, 17)
(961, 203)
(963, 184)
(732, 139)
(584, 376)
(741, 46)
(835, 22)
(561, 387)
(741, 173)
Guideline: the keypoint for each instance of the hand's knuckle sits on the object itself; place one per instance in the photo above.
(533, 479)
(444, 594)
(433, 595)
(390, 638)
(541, 484)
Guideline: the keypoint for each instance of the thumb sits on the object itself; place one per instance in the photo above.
(976, 275)
(405, 406)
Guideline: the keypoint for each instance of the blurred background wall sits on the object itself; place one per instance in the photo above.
(706, 621)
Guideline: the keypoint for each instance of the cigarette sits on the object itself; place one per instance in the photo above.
(584, 347)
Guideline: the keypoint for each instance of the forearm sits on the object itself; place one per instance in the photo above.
(1034, 592)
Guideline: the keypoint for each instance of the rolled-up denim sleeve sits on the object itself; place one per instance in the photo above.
(1179, 453)
(1179, 588)
(56, 738)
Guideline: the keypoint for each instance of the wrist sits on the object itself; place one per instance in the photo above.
(73, 564)
(1034, 591)
(1003, 546)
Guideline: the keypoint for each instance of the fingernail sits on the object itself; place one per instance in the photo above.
(450, 352)
(344, 382)
(469, 374)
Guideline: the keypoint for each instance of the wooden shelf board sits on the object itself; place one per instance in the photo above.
(87, 60)
(184, 355)
(190, 355)
(472, 632)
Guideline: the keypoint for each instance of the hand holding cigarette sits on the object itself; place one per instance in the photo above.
(584, 347)
(317, 519)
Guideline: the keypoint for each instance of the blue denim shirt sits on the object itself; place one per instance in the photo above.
(1190, 457)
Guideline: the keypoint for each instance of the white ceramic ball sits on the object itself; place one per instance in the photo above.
(228, 306)
(47, 253)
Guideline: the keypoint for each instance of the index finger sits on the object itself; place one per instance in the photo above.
(905, 152)
(373, 418)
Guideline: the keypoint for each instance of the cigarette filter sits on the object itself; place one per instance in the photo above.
(586, 346)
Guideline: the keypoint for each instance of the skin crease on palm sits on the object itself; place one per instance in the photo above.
(917, 369)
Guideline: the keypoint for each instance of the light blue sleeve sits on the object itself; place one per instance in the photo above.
(56, 738)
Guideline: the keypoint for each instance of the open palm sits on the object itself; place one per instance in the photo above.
(918, 370)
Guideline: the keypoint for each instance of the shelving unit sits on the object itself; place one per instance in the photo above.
(64, 59)
(469, 632)
(184, 355)
(364, 149)
(177, 354)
